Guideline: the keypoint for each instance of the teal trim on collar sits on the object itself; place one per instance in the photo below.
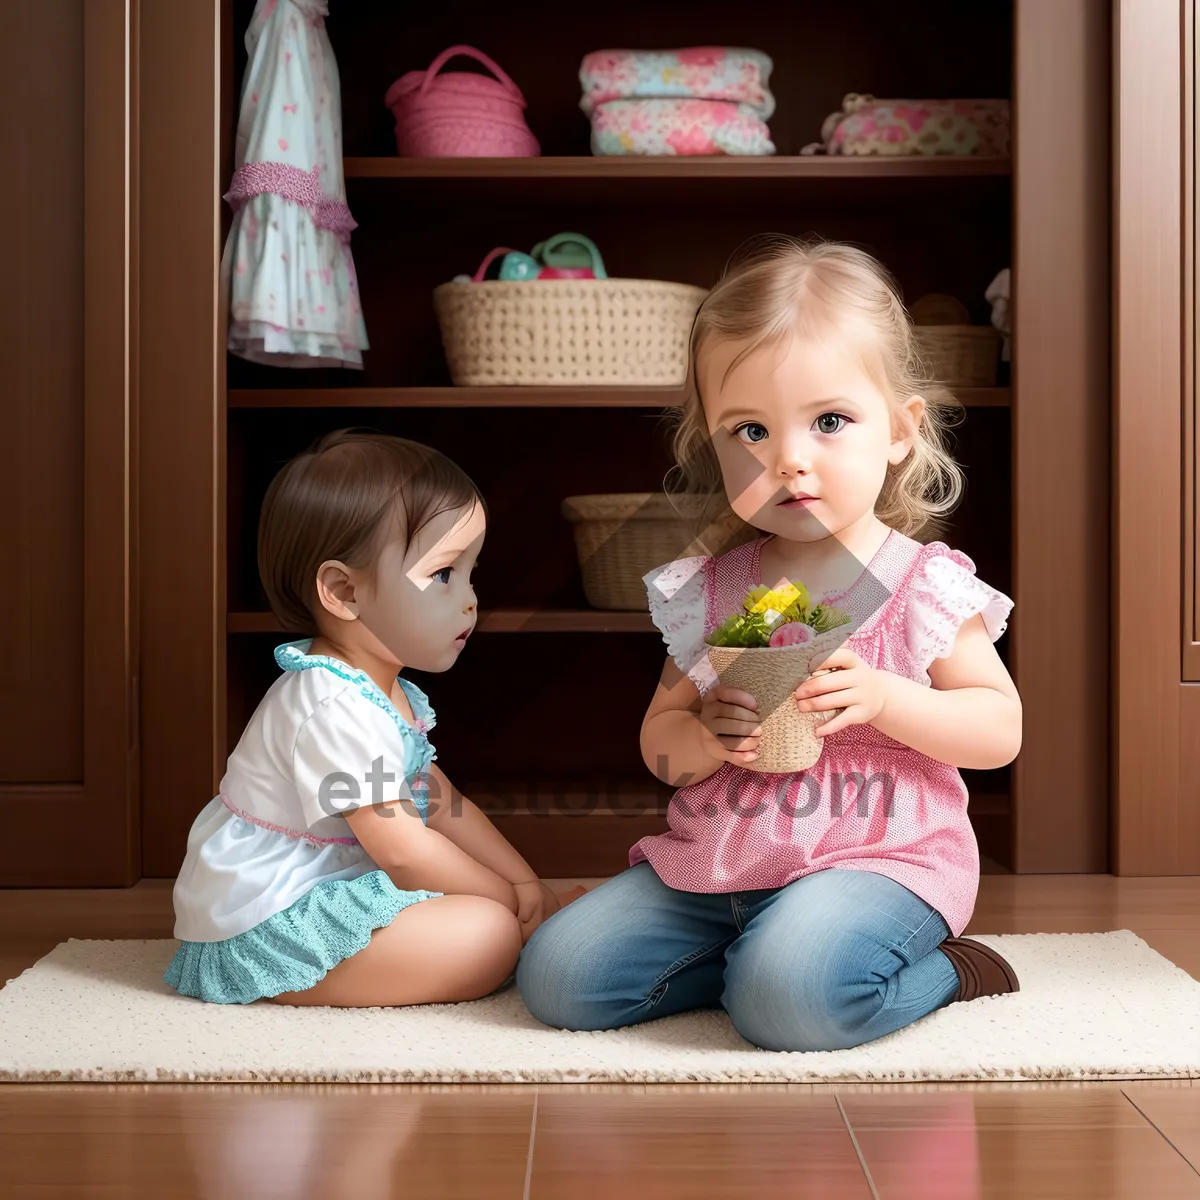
(294, 656)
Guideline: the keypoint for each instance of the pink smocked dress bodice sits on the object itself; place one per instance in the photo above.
(869, 803)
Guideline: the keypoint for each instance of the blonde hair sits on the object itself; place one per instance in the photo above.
(780, 285)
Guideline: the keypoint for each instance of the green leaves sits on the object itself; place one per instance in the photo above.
(751, 628)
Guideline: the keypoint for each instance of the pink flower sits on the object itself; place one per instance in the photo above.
(794, 633)
(701, 56)
(693, 140)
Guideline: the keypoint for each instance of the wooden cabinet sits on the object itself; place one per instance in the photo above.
(1156, 669)
(562, 688)
(68, 704)
(539, 720)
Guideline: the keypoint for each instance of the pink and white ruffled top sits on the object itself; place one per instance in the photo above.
(869, 803)
(293, 292)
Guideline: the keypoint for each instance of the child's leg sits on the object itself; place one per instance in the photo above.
(627, 951)
(833, 960)
(440, 951)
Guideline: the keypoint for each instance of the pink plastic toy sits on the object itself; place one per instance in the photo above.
(460, 114)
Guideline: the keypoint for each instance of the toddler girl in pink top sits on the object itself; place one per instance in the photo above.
(824, 908)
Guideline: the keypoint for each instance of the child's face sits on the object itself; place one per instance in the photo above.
(420, 606)
(794, 417)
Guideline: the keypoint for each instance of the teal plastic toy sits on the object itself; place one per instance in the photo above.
(563, 256)
(516, 266)
(570, 252)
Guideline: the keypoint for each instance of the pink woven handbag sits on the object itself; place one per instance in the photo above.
(460, 114)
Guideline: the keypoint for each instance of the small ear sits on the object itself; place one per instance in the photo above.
(335, 590)
(908, 424)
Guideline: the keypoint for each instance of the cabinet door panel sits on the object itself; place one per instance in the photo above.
(68, 698)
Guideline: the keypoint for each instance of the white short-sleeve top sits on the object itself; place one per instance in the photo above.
(324, 741)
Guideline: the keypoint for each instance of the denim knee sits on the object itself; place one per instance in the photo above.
(556, 977)
(795, 997)
(778, 1009)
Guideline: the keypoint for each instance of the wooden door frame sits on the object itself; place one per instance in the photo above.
(87, 834)
(1156, 759)
(1060, 627)
(182, 386)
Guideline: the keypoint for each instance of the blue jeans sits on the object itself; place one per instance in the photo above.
(832, 960)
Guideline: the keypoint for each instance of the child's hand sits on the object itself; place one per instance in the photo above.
(731, 727)
(535, 902)
(851, 685)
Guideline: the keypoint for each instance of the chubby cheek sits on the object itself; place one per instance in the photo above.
(409, 624)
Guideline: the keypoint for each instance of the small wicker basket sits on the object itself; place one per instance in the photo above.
(619, 537)
(955, 352)
(960, 355)
(771, 674)
(567, 331)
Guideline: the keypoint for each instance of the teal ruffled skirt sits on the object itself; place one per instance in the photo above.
(294, 949)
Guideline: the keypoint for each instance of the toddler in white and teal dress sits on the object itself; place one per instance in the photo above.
(338, 865)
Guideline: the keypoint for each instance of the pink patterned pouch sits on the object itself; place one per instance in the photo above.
(699, 73)
(869, 126)
(665, 127)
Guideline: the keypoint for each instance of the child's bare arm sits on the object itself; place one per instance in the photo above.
(454, 816)
(686, 738)
(970, 717)
(416, 857)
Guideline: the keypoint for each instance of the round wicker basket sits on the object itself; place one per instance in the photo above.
(960, 355)
(567, 331)
(771, 674)
(619, 537)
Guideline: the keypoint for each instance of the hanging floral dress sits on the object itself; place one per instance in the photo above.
(293, 298)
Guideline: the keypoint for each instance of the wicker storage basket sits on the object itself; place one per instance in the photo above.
(567, 331)
(960, 355)
(771, 674)
(619, 537)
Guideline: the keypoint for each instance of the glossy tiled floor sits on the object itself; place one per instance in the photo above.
(888, 1141)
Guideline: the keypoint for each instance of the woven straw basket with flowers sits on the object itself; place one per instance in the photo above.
(768, 650)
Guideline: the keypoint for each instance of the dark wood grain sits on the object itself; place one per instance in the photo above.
(1156, 720)
(1060, 627)
(74, 822)
(181, 459)
(548, 170)
(508, 397)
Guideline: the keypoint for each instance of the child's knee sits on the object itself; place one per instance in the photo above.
(779, 1003)
(556, 976)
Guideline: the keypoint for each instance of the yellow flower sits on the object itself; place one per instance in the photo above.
(778, 599)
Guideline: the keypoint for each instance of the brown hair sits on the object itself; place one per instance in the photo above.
(331, 501)
(782, 285)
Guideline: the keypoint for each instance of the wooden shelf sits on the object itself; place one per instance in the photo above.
(566, 396)
(682, 167)
(496, 620)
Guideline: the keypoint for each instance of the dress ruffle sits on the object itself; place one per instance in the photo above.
(294, 294)
(294, 949)
(945, 592)
(676, 595)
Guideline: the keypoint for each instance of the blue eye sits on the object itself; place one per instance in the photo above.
(760, 434)
(830, 416)
(444, 571)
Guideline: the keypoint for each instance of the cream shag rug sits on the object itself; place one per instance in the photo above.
(1091, 1006)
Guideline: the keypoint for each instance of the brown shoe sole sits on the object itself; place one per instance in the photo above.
(980, 970)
